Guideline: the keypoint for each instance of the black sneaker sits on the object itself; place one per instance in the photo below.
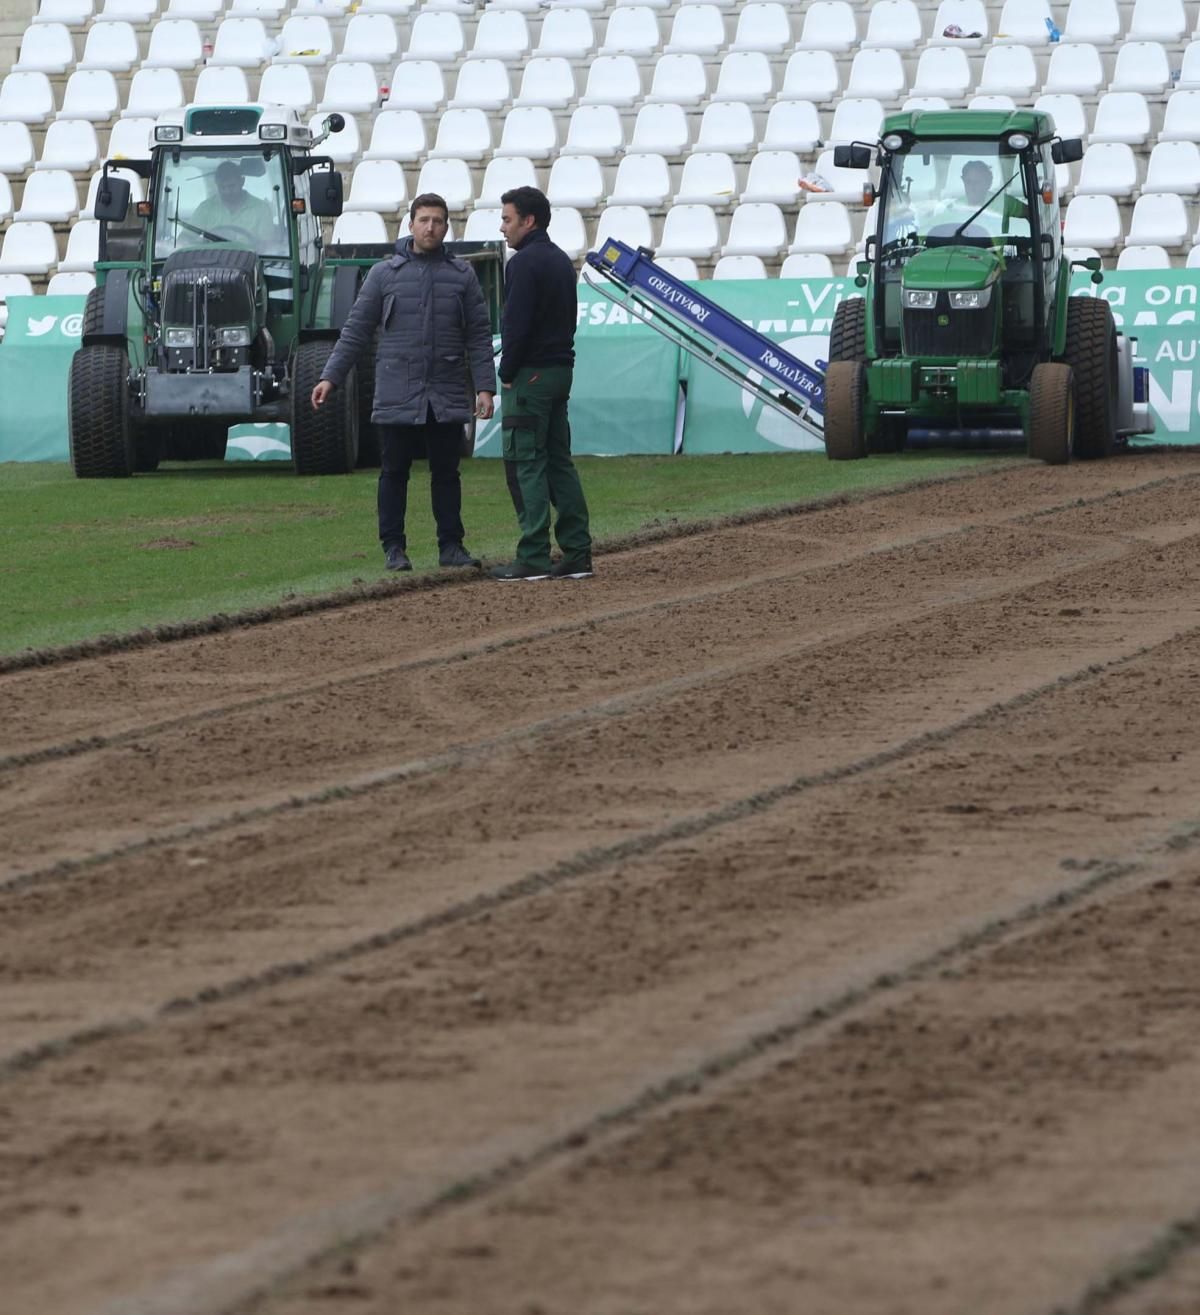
(518, 571)
(397, 559)
(454, 554)
(576, 568)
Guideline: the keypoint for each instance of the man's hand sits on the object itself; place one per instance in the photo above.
(320, 393)
(485, 405)
(504, 385)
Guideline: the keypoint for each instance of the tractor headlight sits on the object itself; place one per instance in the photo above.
(235, 337)
(919, 299)
(893, 142)
(180, 338)
(273, 132)
(977, 299)
(1018, 141)
(168, 132)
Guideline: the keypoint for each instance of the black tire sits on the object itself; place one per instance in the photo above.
(1052, 413)
(324, 442)
(101, 436)
(368, 435)
(848, 336)
(845, 388)
(1091, 352)
(93, 312)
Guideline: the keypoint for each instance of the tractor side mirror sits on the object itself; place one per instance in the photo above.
(1066, 151)
(854, 156)
(326, 193)
(112, 199)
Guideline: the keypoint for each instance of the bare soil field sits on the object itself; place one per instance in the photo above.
(801, 916)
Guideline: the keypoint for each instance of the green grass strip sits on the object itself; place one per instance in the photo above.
(82, 558)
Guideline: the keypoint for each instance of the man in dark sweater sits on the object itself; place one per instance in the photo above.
(536, 366)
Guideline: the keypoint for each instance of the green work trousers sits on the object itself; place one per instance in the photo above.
(537, 439)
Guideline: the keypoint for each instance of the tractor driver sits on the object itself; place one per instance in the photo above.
(233, 213)
(978, 185)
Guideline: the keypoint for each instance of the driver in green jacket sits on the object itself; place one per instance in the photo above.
(233, 213)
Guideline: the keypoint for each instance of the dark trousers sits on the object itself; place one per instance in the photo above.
(399, 446)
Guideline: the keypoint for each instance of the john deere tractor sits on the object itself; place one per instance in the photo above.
(217, 302)
(966, 329)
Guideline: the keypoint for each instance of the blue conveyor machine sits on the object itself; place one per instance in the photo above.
(710, 333)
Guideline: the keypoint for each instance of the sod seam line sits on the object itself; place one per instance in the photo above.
(174, 632)
(612, 706)
(584, 863)
(95, 743)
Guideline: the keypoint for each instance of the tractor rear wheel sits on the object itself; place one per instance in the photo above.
(845, 386)
(101, 436)
(848, 336)
(1091, 352)
(1052, 413)
(324, 442)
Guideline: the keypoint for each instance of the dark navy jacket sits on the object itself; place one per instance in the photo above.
(540, 306)
(433, 326)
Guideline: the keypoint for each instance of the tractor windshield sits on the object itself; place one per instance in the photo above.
(209, 198)
(942, 192)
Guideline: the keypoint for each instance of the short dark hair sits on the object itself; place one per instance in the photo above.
(428, 201)
(529, 201)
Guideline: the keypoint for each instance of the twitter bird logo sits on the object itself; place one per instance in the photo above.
(39, 327)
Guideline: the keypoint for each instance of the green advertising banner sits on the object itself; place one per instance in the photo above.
(627, 376)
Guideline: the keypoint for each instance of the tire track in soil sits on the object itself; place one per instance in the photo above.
(280, 1043)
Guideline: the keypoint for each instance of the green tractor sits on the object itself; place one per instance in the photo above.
(967, 331)
(217, 303)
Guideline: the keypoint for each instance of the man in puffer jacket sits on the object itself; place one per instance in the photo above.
(435, 336)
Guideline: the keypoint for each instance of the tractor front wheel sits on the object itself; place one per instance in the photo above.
(102, 444)
(1091, 352)
(845, 388)
(1052, 413)
(848, 334)
(324, 442)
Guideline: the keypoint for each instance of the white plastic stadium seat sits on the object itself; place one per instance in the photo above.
(696, 29)
(856, 119)
(6, 199)
(1009, 71)
(1144, 256)
(501, 35)
(74, 13)
(567, 231)
(1157, 20)
(128, 11)
(483, 84)
(828, 25)
(1066, 109)
(1121, 116)
(529, 130)
(70, 144)
(70, 283)
(642, 179)
(267, 10)
(16, 148)
(152, 91)
(678, 80)
(508, 171)
(924, 103)
(567, 32)
(1174, 167)
(842, 184)
(708, 178)
(1193, 258)
(219, 85)
(1005, 103)
(660, 129)
(878, 73)
(463, 135)
(370, 37)
(83, 246)
(396, 135)
(1181, 121)
(758, 229)
(611, 80)
(450, 179)
(762, 27)
(1095, 21)
(773, 176)
(547, 80)
(811, 75)
(628, 223)
(130, 139)
(174, 43)
(305, 39)
(1160, 218)
(1141, 66)
(968, 16)
(200, 11)
(942, 71)
(351, 88)
(47, 48)
(113, 46)
(894, 24)
(354, 226)
(435, 36)
(739, 267)
(377, 185)
(596, 130)
(690, 230)
(632, 31)
(575, 180)
(806, 265)
(242, 42)
(289, 85)
(823, 228)
(26, 98)
(792, 126)
(342, 147)
(1024, 22)
(745, 76)
(29, 248)
(1108, 169)
(91, 94)
(482, 225)
(1093, 221)
(1075, 69)
(727, 126)
(681, 267)
(417, 86)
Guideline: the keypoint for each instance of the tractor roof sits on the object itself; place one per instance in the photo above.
(977, 125)
(232, 125)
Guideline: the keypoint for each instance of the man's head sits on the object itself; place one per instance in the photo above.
(977, 182)
(429, 217)
(524, 209)
(230, 183)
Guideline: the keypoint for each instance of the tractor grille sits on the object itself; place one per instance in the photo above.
(966, 332)
(209, 286)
